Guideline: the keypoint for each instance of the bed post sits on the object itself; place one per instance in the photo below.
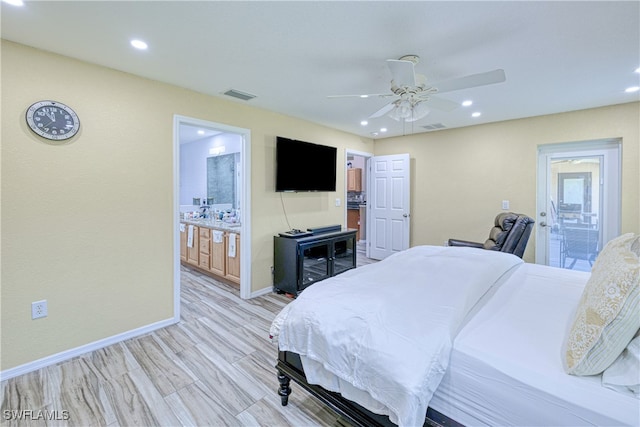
(284, 391)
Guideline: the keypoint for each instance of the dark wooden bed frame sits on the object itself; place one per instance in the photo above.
(289, 368)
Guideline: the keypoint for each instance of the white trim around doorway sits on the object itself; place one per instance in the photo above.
(610, 183)
(245, 204)
(367, 156)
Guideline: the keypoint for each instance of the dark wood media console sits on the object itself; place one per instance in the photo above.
(300, 262)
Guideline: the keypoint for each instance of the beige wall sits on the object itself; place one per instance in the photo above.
(88, 225)
(460, 176)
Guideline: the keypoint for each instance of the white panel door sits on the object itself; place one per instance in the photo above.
(389, 202)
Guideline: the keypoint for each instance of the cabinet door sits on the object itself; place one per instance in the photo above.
(351, 179)
(218, 256)
(314, 259)
(353, 219)
(205, 248)
(183, 243)
(233, 263)
(193, 251)
(354, 179)
(344, 254)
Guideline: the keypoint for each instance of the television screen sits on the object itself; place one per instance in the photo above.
(303, 166)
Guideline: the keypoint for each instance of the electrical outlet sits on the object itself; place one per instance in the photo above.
(39, 309)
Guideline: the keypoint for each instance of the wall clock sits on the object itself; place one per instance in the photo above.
(53, 120)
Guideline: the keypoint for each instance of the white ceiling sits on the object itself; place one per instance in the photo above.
(557, 56)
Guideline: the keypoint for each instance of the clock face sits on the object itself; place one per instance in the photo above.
(53, 120)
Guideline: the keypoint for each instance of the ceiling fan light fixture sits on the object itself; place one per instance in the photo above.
(406, 110)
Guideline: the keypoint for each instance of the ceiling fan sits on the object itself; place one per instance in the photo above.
(413, 94)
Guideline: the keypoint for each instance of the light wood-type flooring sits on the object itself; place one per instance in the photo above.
(214, 368)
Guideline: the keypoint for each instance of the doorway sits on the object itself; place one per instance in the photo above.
(239, 199)
(578, 202)
(356, 196)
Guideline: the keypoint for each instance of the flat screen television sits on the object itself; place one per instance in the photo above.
(303, 166)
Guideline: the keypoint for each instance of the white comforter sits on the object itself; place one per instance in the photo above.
(387, 328)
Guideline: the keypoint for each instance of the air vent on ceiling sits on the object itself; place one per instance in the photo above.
(240, 95)
(434, 126)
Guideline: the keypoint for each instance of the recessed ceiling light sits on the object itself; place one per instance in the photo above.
(638, 70)
(139, 44)
(476, 114)
(364, 96)
(632, 89)
(200, 132)
(14, 2)
(364, 123)
(467, 103)
(383, 129)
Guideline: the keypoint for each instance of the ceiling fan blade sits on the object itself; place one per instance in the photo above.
(384, 110)
(473, 80)
(402, 72)
(364, 95)
(442, 104)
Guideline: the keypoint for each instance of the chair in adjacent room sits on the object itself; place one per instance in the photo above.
(579, 243)
(510, 234)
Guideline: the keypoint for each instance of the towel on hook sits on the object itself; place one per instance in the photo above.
(232, 245)
(218, 236)
(190, 236)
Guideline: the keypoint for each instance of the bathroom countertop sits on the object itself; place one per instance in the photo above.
(214, 225)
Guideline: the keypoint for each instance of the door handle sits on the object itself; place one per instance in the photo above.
(543, 224)
(405, 215)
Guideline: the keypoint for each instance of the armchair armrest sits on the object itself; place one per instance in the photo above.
(456, 242)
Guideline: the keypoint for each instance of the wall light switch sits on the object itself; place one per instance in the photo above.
(505, 204)
(338, 203)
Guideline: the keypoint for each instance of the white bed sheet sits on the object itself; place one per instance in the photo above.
(362, 331)
(506, 365)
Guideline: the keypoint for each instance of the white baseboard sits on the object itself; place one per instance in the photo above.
(261, 292)
(96, 345)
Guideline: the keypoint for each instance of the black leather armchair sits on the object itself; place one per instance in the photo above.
(510, 234)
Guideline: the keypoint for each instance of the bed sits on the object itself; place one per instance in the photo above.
(490, 327)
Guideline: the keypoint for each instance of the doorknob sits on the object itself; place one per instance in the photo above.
(543, 214)
(543, 224)
(405, 215)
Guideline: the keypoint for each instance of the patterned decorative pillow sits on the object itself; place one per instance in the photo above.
(608, 315)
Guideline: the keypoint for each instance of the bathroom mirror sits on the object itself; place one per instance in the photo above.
(221, 179)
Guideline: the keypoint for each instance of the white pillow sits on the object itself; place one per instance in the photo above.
(624, 374)
(607, 316)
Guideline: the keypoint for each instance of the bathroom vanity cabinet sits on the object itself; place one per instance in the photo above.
(210, 249)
